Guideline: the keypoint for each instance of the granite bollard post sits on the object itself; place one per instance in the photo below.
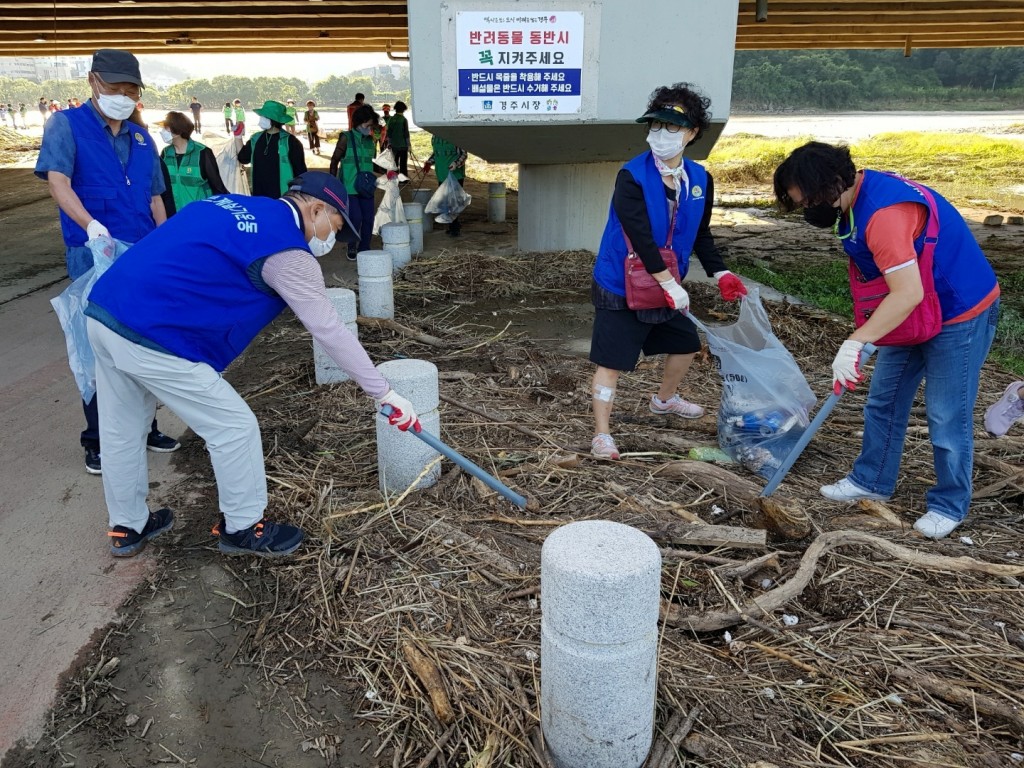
(496, 201)
(327, 371)
(600, 585)
(414, 215)
(401, 457)
(376, 291)
(422, 196)
(396, 242)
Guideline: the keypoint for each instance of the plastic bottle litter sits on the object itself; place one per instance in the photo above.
(710, 454)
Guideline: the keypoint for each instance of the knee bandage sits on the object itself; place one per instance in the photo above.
(604, 394)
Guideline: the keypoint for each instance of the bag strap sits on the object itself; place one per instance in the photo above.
(931, 232)
(671, 229)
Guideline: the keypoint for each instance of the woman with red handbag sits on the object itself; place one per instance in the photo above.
(660, 198)
(926, 296)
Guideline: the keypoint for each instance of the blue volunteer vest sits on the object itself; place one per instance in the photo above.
(963, 276)
(187, 288)
(117, 196)
(611, 256)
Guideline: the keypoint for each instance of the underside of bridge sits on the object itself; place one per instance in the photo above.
(66, 27)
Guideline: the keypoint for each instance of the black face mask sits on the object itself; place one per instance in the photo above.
(823, 216)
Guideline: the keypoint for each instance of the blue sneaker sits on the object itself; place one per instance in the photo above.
(126, 542)
(264, 539)
(158, 442)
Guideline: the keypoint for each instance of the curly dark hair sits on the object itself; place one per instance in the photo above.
(689, 98)
(365, 114)
(822, 172)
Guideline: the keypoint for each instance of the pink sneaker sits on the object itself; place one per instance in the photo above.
(1005, 411)
(603, 446)
(677, 406)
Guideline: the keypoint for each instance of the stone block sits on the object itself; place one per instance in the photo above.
(414, 215)
(327, 371)
(395, 237)
(993, 220)
(422, 196)
(401, 456)
(1015, 220)
(496, 201)
(376, 291)
(600, 589)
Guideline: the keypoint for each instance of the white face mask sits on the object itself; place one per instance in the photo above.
(322, 247)
(264, 123)
(665, 145)
(116, 107)
(166, 135)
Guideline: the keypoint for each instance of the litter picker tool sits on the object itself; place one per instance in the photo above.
(489, 480)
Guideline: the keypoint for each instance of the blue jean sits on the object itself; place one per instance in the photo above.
(950, 364)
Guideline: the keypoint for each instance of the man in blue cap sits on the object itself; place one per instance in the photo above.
(105, 175)
(165, 327)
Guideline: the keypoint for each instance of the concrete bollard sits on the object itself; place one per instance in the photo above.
(496, 201)
(396, 242)
(422, 196)
(600, 585)
(376, 291)
(414, 215)
(401, 457)
(327, 371)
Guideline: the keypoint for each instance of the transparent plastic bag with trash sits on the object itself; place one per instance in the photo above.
(449, 201)
(232, 173)
(70, 307)
(390, 210)
(766, 400)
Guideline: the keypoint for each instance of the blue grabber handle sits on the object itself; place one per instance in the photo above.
(489, 480)
(805, 438)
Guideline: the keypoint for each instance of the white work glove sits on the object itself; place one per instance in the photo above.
(402, 415)
(675, 295)
(846, 366)
(95, 229)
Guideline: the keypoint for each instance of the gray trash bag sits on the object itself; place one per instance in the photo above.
(766, 400)
(70, 307)
(449, 201)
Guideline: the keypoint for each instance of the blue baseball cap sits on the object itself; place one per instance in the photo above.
(324, 186)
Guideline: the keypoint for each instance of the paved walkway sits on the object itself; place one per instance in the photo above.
(60, 585)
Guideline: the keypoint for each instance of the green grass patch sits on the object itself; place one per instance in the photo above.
(823, 285)
(967, 168)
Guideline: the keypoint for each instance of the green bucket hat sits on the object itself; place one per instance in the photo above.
(674, 114)
(274, 110)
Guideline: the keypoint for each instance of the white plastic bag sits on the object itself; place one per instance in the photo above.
(766, 400)
(70, 307)
(449, 201)
(390, 210)
(231, 171)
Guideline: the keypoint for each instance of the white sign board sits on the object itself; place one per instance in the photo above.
(519, 62)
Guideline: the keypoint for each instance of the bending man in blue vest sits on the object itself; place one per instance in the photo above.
(164, 327)
(104, 173)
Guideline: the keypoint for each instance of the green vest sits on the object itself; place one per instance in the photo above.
(239, 115)
(365, 150)
(291, 112)
(398, 131)
(445, 153)
(284, 164)
(227, 113)
(187, 182)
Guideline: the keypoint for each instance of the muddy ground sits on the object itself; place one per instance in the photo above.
(198, 680)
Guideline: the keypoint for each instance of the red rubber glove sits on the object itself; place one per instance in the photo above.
(426, 167)
(730, 286)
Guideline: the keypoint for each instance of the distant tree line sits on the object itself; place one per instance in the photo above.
(853, 79)
(335, 91)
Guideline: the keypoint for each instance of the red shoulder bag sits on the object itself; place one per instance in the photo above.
(642, 290)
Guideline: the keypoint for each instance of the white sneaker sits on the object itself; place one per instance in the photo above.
(676, 405)
(935, 526)
(847, 490)
(604, 446)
